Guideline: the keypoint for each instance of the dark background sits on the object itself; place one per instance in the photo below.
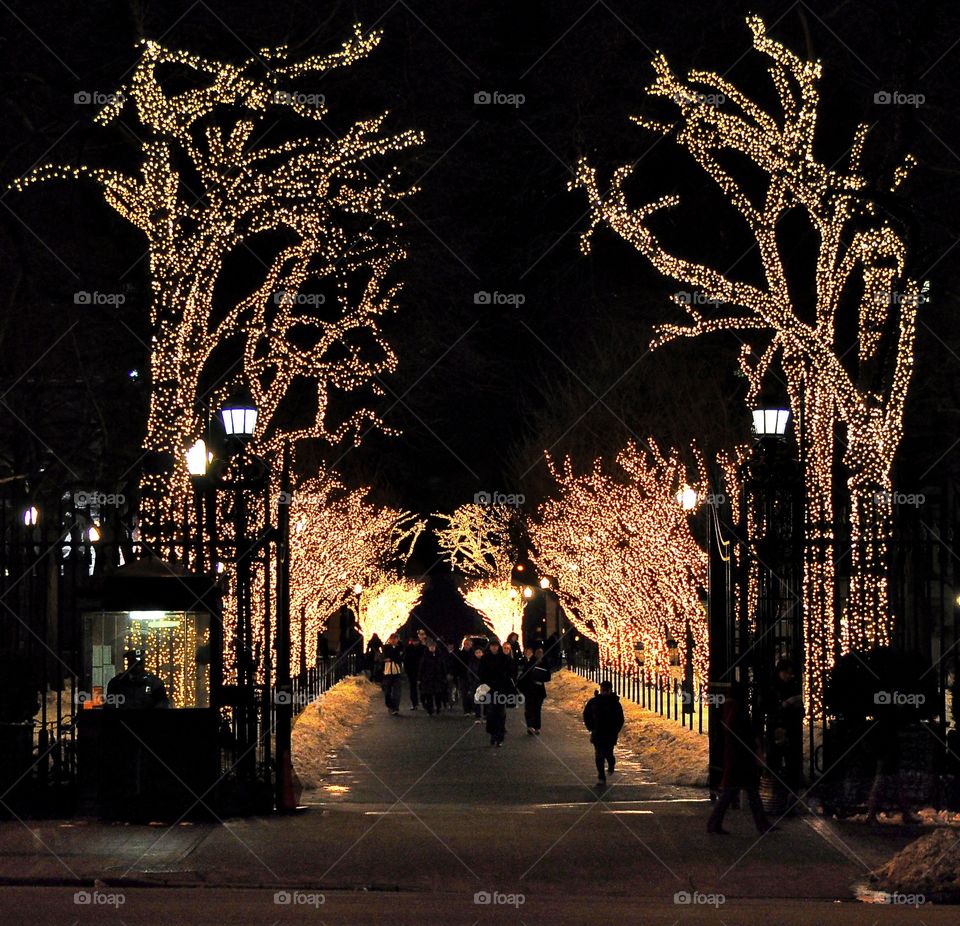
(481, 390)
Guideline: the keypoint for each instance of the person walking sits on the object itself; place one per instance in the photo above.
(391, 668)
(513, 660)
(496, 671)
(411, 664)
(473, 680)
(603, 717)
(534, 675)
(433, 678)
(372, 657)
(464, 658)
(741, 763)
(785, 730)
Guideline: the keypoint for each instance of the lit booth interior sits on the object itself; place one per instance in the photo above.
(148, 725)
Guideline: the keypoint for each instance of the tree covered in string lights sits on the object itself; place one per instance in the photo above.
(479, 542)
(340, 540)
(860, 283)
(628, 568)
(385, 604)
(217, 179)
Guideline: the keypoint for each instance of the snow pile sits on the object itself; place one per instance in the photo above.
(927, 867)
(326, 723)
(674, 754)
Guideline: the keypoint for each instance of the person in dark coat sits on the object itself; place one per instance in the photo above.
(496, 670)
(785, 729)
(513, 656)
(603, 717)
(473, 679)
(741, 763)
(433, 678)
(372, 660)
(464, 659)
(534, 675)
(391, 672)
(411, 664)
(552, 650)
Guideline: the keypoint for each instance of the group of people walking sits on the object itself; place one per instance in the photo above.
(486, 678)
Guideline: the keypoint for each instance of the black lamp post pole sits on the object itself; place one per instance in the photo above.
(284, 684)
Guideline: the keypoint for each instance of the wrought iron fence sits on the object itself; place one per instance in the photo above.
(668, 698)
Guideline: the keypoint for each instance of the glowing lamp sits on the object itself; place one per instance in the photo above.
(527, 592)
(30, 517)
(770, 422)
(197, 459)
(544, 583)
(239, 420)
(687, 498)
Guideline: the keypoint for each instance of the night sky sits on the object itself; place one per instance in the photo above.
(481, 389)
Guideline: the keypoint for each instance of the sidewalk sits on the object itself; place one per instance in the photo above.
(415, 803)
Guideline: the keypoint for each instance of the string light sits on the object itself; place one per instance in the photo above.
(628, 568)
(860, 252)
(315, 189)
(385, 605)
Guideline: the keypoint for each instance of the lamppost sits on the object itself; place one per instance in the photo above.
(771, 523)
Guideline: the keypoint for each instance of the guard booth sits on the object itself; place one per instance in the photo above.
(147, 725)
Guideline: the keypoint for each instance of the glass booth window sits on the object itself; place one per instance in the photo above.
(150, 658)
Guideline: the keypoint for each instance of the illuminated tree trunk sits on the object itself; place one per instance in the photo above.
(868, 621)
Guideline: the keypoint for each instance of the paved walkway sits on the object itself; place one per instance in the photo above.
(425, 804)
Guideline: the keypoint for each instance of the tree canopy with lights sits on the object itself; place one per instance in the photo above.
(765, 164)
(627, 567)
(227, 169)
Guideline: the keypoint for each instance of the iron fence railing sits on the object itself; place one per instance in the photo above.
(667, 697)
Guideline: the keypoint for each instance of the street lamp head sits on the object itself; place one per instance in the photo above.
(770, 421)
(358, 589)
(544, 583)
(687, 498)
(527, 591)
(31, 516)
(239, 419)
